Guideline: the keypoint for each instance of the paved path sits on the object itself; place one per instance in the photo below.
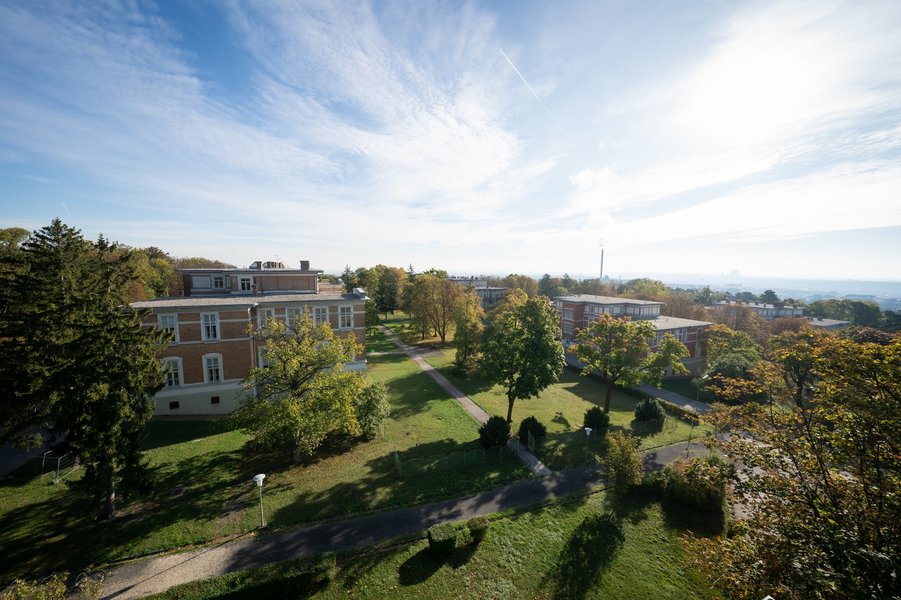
(528, 459)
(143, 577)
(679, 399)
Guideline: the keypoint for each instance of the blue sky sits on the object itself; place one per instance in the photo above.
(698, 137)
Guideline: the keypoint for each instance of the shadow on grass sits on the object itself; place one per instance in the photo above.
(701, 522)
(591, 548)
(161, 433)
(646, 428)
(561, 420)
(419, 567)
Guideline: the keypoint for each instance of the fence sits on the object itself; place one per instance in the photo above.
(57, 467)
(408, 464)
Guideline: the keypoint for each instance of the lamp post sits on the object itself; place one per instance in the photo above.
(694, 420)
(700, 385)
(587, 436)
(258, 479)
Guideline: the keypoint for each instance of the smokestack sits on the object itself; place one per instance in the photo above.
(305, 265)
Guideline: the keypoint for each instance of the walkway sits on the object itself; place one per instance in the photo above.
(673, 397)
(528, 459)
(143, 577)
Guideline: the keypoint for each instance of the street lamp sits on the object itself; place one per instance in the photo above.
(694, 420)
(587, 435)
(258, 479)
(700, 385)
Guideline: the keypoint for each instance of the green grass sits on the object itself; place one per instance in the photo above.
(377, 341)
(561, 407)
(47, 528)
(589, 547)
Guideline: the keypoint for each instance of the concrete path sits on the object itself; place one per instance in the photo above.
(528, 459)
(679, 399)
(143, 577)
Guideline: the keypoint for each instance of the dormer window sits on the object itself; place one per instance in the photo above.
(245, 283)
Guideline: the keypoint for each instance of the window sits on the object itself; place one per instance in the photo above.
(320, 315)
(618, 309)
(345, 317)
(567, 329)
(200, 281)
(263, 316)
(169, 323)
(245, 283)
(209, 326)
(568, 314)
(218, 282)
(292, 313)
(214, 399)
(173, 405)
(212, 368)
(172, 371)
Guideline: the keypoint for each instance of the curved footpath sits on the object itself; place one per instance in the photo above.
(143, 577)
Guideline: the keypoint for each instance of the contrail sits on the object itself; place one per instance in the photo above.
(510, 62)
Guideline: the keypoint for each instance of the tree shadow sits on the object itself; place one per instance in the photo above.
(419, 567)
(561, 420)
(701, 522)
(591, 548)
(160, 432)
(646, 428)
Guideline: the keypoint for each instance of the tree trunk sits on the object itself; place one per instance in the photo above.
(110, 509)
(510, 401)
(608, 395)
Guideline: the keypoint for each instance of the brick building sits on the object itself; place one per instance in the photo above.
(213, 325)
(577, 311)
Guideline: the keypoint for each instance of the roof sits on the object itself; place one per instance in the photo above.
(824, 322)
(248, 270)
(589, 299)
(244, 301)
(755, 304)
(663, 323)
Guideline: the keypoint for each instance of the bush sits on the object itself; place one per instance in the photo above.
(596, 419)
(533, 426)
(700, 482)
(649, 409)
(495, 432)
(478, 527)
(442, 539)
(372, 408)
(623, 462)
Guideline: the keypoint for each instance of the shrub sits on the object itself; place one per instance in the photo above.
(596, 419)
(495, 432)
(649, 409)
(372, 408)
(623, 462)
(478, 527)
(700, 482)
(533, 426)
(442, 539)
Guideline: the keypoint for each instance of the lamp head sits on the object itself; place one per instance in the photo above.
(258, 479)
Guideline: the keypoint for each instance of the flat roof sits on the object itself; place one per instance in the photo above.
(664, 323)
(210, 270)
(243, 301)
(824, 322)
(588, 298)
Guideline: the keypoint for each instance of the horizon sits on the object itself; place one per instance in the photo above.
(759, 138)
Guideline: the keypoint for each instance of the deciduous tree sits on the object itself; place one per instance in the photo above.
(522, 350)
(618, 350)
(468, 328)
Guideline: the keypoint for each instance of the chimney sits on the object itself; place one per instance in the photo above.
(304, 265)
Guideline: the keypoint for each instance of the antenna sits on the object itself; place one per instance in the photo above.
(601, 244)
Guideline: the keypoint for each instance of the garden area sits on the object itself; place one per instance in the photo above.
(202, 487)
(597, 546)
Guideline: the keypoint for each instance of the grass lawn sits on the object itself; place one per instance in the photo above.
(589, 547)
(561, 408)
(682, 387)
(377, 341)
(400, 325)
(47, 528)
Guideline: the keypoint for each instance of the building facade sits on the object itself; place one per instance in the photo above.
(577, 311)
(214, 342)
(766, 311)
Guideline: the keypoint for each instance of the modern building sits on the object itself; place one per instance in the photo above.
(214, 329)
(577, 311)
(489, 296)
(767, 311)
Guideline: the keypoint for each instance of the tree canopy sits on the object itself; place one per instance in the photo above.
(73, 355)
(522, 350)
(618, 350)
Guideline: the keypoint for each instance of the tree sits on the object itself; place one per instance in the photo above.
(859, 312)
(769, 297)
(522, 350)
(468, 328)
(684, 306)
(517, 282)
(11, 238)
(646, 289)
(618, 350)
(349, 278)
(372, 315)
(820, 479)
(432, 302)
(75, 358)
(546, 285)
(623, 462)
(302, 393)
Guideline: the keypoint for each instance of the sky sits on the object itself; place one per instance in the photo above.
(477, 137)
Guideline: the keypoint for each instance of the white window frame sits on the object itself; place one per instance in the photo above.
(569, 314)
(345, 311)
(292, 313)
(264, 315)
(218, 282)
(320, 315)
(172, 365)
(205, 327)
(219, 367)
(160, 324)
(245, 283)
